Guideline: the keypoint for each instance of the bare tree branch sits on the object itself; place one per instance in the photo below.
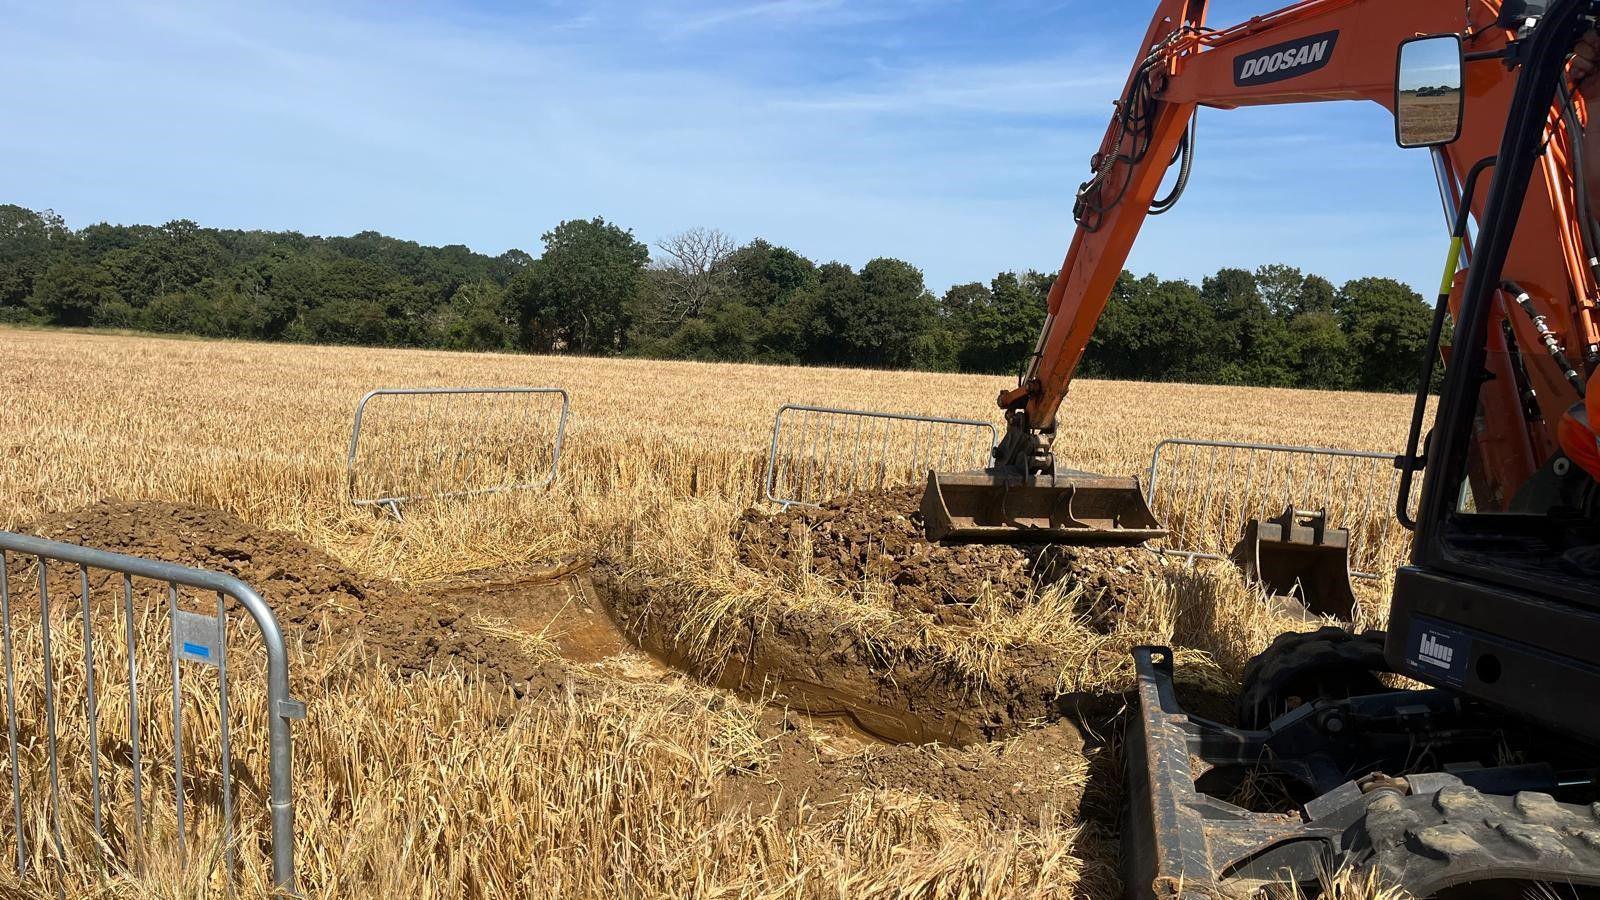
(693, 268)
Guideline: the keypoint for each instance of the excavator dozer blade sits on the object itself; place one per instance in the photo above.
(1298, 557)
(1079, 508)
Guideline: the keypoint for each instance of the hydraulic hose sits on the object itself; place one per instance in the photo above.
(1551, 343)
(1186, 150)
(1135, 123)
(1588, 229)
(1588, 226)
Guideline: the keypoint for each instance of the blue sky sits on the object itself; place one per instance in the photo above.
(950, 133)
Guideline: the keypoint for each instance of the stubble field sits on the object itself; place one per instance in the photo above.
(827, 706)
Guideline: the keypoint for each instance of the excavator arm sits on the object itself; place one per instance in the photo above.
(1311, 51)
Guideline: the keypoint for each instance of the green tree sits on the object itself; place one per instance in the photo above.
(763, 310)
(764, 275)
(937, 349)
(839, 294)
(1157, 330)
(1289, 292)
(875, 318)
(214, 308)
(508, 265)
(135, 273)
(1316, 295)
(1320, 352)
(28, 242)
(962, 301)
(1254, 339)
(575, 296)
(999, 325)
(74, 294)
(335, 299)
(591, 291)
(345, 321)
(730, 331)
(1280, 288)
(184, 277)
(181, 313)
(793, 328)
(1387, 325)
(478, 317)
(187, 254)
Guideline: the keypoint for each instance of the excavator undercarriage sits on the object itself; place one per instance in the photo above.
(1237, 810)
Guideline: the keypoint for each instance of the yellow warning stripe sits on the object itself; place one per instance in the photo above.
(1450, 264)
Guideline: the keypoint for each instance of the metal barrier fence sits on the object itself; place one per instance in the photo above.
(1224, 484)
(453, 449)
(196, 638)
(825, 451)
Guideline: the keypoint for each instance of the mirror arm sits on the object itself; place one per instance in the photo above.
(1511, 53)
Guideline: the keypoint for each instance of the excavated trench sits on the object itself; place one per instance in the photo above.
(1007, 752)
(899, 680)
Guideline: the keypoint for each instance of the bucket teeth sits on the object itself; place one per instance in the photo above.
(992, 507)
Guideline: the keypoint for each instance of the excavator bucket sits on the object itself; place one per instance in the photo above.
(1074, 508)
(1298, 558)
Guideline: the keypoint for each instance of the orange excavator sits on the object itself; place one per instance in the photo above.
(1486, 779)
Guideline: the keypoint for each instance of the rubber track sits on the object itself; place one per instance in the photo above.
(1328, 651)
(1429, 842)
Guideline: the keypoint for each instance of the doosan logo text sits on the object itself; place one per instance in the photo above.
(1284, 61)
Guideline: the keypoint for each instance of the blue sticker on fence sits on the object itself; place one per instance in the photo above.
(195, 637)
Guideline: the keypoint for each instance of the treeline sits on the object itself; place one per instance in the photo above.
(597, 289)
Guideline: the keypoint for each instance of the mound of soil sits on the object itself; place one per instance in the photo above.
(899, 683)
(875, 540)
(315, 597)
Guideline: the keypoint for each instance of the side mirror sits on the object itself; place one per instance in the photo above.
(1428, 96)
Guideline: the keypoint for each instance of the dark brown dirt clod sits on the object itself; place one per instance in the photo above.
(877, 539)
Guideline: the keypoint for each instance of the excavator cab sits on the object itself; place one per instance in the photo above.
(1485, 781)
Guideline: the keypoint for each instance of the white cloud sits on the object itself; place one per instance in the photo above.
(1035, 88)
(786, 11)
